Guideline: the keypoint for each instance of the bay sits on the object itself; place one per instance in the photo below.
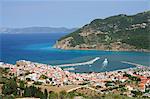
(39, 48)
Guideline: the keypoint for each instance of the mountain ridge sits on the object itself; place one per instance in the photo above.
(37, 30)
(119, 33)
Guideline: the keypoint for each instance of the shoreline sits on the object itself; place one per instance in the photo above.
(126, 69)
(135, 50)
(135, 64)
(131, 63)
(72, 68)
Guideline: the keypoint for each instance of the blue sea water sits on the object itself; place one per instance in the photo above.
(38, 48)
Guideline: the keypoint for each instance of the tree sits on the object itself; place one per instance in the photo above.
(22, 85)
(43, 77)
(33, 92)
(50, 79)
(45, 94)
(38, 83)
(10, 87)
(137, 93)
(27, 92)
(53, 95)
(39, 94)
(62, 95)
(71, 95)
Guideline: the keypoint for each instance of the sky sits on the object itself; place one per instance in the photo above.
(64, 13)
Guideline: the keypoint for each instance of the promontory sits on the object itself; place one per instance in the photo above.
(118, 33)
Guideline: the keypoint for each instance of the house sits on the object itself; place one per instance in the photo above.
(129, 87)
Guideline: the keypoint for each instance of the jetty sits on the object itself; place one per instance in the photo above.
(82, 63)
(135, 64)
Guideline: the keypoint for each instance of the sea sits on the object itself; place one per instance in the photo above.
(39, 48)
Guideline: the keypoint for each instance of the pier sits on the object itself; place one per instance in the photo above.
(135, 64)
(78, 64)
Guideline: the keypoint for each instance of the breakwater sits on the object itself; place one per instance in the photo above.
(135, 64)
(82, 63)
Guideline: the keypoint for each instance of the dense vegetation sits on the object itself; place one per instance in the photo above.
(133, 30)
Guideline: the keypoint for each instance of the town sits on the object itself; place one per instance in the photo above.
(132, 82)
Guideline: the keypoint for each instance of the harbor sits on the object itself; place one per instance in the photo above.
(79, 64)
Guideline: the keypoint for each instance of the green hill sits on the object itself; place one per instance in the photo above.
(120, 32)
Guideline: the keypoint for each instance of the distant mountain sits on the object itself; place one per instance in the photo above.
(37, 30)
(120, 32)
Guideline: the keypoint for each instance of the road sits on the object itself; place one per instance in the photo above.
(84, 86)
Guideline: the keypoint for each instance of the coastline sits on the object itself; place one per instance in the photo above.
(135, 64)
(87, 49)
(131, 63)
(125, 69)
(72, 68)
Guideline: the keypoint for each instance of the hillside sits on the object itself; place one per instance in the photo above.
(120, 32)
